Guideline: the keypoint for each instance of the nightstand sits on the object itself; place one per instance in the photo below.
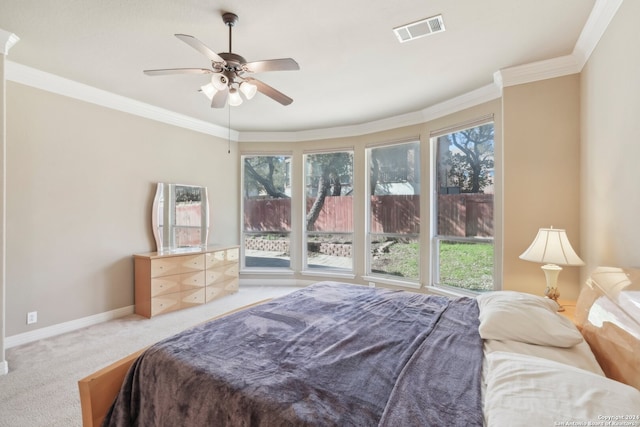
(569, 309)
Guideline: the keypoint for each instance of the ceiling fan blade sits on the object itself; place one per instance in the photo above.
(200, 47)
(282, 64)
(219, 100)
(167, 71)
(272, 93)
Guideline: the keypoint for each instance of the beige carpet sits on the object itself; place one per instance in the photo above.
(41, 386)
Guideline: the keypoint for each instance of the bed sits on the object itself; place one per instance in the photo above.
(339, 354)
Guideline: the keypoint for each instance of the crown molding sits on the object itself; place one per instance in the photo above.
(597, 23)
(7, 40)
(467, 100)
(28, 76)
(334, 132)
(599, 19)
(535, 71)
(601, 15)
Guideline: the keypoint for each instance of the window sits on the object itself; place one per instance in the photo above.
(393, 211)
(462, 247)
(266, 206)
(329, 211)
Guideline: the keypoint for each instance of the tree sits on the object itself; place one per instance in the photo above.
(265, 174)
(473, 159)
(394, 164)
(326, 170)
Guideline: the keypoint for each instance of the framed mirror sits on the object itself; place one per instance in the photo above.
(180, 217)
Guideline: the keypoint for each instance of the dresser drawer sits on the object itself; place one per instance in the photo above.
(233, 254)
(222, 257)
(176, 283)
(215, 259)
(175, 265)
(217, 274)
(165, 285)
(221, 288)
(191, 298)
(165, 304)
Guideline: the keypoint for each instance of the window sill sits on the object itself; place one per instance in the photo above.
(327, 273)
(267, 272)
(387, 281)
(450, 292)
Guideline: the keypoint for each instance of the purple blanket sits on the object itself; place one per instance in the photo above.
(328, 355)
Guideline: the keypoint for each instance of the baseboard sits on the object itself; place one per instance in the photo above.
(61, 328)
(275, 282)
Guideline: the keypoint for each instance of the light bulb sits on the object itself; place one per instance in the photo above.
(219, 81)
(248, 89)
(234, 97)
(208, 90)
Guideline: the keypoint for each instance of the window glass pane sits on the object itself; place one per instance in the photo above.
(394, 210)
(329, 211)
(464, 207)
(266, 211)
(466, 265)
(395, 256)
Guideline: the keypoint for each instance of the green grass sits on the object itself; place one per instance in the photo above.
(400, 259)
(462, 265)
(467, 265)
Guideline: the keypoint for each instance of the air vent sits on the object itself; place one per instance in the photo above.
(418, 29)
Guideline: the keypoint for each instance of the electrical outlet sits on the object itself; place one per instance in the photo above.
(372, 285)
(32, 317)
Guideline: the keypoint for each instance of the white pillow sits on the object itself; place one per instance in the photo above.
(516, 316)
(497, 297)
(580, 355)
(527, 391)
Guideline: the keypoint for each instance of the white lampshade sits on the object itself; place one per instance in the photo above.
(219, 81)
(234, 97)
(551, 246)
(209, 90)
(248, 89)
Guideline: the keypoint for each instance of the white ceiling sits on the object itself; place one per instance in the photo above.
(353, 69)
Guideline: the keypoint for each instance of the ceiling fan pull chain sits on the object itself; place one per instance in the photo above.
(229, 130)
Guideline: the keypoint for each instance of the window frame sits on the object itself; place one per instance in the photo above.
(435, 239)
(388, 279)
(266, 270)
(325, 272)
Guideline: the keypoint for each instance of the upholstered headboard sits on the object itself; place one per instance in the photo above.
(608, 314)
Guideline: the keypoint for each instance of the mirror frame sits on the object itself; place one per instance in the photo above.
(165, 214)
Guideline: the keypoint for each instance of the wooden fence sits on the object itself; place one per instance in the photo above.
(461, 215)
(465, 215)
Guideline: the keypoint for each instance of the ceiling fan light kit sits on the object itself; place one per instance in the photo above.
(229, 79)
(249, 90)
(219, 81)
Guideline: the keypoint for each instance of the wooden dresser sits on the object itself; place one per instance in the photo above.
(169, 281)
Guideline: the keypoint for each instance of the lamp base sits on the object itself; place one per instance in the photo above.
(554, 294)
(551, 272)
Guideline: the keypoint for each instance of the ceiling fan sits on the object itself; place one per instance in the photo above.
(229, 72)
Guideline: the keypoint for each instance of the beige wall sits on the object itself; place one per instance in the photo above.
(611, 145)
(80, 184)
(541, 176)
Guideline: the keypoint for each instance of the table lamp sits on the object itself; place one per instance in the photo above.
(551, 248)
